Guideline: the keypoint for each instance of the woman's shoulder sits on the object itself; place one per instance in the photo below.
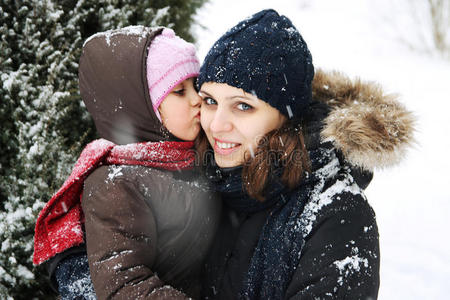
(339, 199)
(339, 206)
(340, 256)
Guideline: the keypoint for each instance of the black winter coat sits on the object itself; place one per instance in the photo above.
(340, 259)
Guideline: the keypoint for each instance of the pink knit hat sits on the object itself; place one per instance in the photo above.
(170, 61)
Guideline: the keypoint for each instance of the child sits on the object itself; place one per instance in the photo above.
(148, 217)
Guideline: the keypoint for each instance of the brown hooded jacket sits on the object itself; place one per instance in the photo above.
(147, 230)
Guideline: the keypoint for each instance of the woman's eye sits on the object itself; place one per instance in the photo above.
(244, 106)
(209, 101)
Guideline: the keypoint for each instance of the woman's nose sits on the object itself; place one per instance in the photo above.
(220, 122)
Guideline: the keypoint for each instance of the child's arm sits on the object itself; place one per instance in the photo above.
(53, 266)
(121, 240)
(73, 278)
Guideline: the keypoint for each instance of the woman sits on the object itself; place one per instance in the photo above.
(291, 163)
(149, 217)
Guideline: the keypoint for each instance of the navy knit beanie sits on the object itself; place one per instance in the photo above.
(266, 56)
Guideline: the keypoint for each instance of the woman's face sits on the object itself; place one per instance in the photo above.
(234, 122)
(180, 111)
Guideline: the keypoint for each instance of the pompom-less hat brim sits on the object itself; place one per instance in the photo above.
(187, 69)
(170, 61)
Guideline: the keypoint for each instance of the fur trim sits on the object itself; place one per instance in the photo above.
(372, 129)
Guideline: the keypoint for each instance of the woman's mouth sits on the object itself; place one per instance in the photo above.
(197, 115)
(225, 148)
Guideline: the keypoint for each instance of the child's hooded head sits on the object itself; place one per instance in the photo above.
(124, 78)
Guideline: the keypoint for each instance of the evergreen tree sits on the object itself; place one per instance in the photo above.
(44, 124)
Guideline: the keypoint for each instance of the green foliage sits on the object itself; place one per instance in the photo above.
(44, 124)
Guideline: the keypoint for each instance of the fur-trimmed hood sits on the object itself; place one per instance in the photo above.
(372, 129)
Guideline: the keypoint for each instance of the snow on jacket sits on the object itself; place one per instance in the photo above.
(59, 225)
(340, 255)
(147, 229)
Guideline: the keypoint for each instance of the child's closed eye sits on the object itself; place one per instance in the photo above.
(180, 91)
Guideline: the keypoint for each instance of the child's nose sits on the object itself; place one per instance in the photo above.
(195, 99)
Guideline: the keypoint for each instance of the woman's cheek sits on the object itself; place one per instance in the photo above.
(204, 119)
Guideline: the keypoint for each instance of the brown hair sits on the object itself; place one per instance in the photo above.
(284, 147)
(202, 147)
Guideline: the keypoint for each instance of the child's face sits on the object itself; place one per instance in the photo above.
(180, 111)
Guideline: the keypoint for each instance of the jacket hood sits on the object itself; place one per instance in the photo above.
(113, 85)
(371, 129)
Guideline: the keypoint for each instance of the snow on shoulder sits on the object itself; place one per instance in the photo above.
(321, 198)
(350, 265)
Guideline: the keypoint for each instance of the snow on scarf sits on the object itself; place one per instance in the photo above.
(280, 245)
(58, 226)
(282, 238)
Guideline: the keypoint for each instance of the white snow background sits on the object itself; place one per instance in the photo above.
(366, 39)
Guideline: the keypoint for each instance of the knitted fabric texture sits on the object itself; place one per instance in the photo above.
(58, 226)
(170, 61)
(264, 55)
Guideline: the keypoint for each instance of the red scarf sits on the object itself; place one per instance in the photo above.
(58, 226)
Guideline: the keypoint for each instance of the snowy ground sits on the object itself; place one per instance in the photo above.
(363, 38)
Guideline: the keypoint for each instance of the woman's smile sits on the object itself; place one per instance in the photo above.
(224, 147)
